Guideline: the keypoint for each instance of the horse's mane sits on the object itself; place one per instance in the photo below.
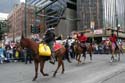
(29, 43)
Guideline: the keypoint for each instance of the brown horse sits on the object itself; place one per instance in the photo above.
(79, 51)
(30, 44)
(115, 51)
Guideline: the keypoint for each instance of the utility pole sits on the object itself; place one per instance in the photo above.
(25, 18)
(116, 17)
(92, 23)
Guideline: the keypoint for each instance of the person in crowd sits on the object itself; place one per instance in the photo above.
(2, 57)
(67, 51)
(49, 38)
(28, 56)
(72, 53)
(8, 53)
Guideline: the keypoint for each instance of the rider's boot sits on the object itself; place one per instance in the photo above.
(52, 59)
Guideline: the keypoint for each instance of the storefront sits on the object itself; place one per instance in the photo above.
(99, 35)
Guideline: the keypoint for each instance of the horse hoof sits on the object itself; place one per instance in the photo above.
(34, 79)
(46, 75)
(111, 61)
(54, 75)
(63, 72)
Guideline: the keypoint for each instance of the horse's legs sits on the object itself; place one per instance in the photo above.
(91, 56)
(63, 69)
(84, 55)
(59, 64)
(112, 56)
(42, 67)
(118, 56)
(79, 56)
(36, 70)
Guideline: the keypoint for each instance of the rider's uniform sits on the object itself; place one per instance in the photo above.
(113, 40)
(82, 39)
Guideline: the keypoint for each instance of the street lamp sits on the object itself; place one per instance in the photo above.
(92, 25)
(118, 27)
(25, 20)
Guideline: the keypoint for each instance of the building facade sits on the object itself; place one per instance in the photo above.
(89, 11)
(114, 13)
(98, 15)
(16, 20)
(53, 10)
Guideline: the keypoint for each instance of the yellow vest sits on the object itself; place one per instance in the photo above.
(44, 50)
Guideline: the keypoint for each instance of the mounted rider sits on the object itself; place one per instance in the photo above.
(82, 39)
(113, 40)
(50, 39)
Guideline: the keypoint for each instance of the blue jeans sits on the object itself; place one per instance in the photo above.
(50, 44)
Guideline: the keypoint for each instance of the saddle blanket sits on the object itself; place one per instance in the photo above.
(57, 46)
(113, 46)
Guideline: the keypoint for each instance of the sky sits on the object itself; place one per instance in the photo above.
(3, 16)
(7, 5)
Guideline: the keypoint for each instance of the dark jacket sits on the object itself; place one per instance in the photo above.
(49, 36)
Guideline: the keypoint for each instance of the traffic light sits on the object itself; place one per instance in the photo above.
(33, 29)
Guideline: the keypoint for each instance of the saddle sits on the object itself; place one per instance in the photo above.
(82, 45)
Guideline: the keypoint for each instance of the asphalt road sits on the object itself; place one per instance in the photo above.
(100, 70)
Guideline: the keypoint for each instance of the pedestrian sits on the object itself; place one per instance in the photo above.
(72, 53)
(49, 38)
(67, 51)
(28, 56)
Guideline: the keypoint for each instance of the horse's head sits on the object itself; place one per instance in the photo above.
(29, 43)
(24, 42)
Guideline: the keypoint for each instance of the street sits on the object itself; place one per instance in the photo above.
(100, 70)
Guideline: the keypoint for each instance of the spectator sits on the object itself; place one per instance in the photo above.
(67, 51)
(2, 57)
(8, 53)
(28, 55)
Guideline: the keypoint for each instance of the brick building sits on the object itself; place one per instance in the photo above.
(16, 20)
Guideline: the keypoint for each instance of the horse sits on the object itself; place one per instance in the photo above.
(115, 51)
(82, 50)
(30, 44)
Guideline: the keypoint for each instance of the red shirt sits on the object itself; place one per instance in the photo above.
(113, 38)
(82, 38)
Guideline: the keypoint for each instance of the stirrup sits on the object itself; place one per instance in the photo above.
(52, 62)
